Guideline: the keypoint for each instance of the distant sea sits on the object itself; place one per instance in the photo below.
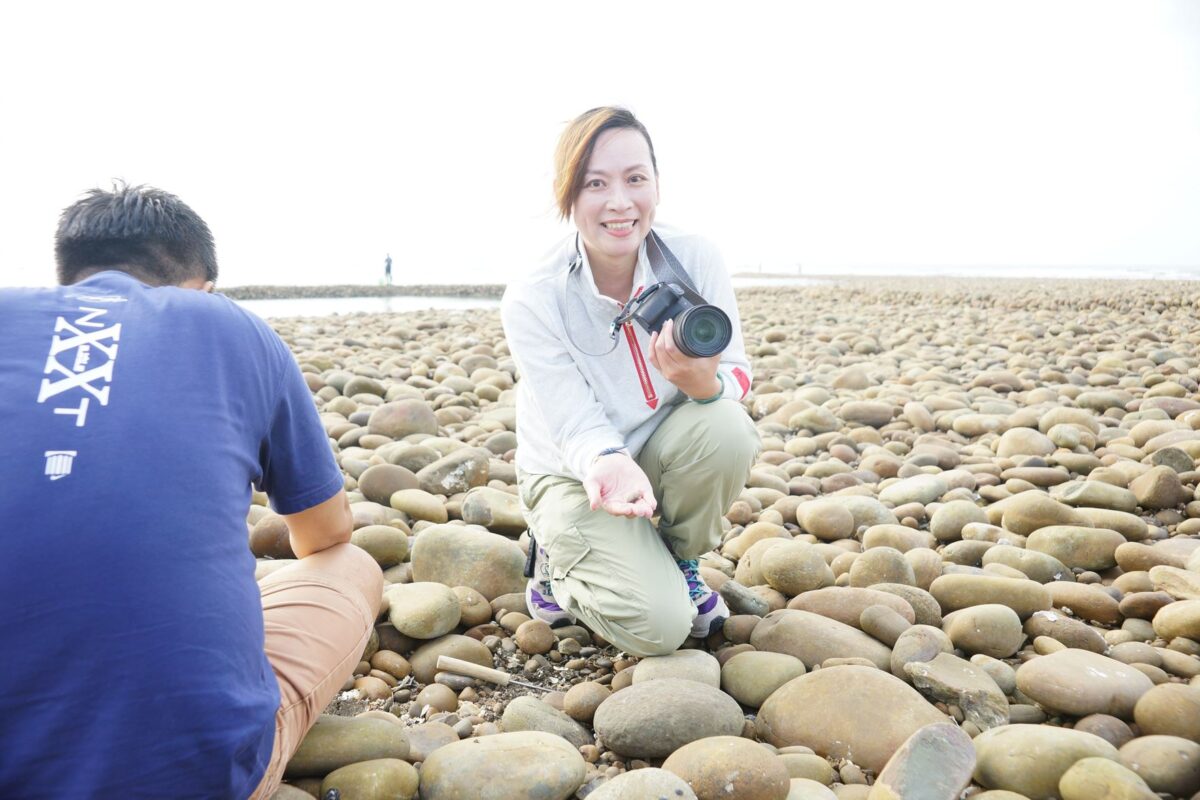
(323, 306)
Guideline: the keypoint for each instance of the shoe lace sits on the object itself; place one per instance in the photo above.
(697, 588)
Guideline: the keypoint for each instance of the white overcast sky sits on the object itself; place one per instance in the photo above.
(316, 137)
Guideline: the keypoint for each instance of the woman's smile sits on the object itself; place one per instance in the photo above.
(615, 208)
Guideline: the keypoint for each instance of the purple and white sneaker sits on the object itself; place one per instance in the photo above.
(711, 611)
(539, 595)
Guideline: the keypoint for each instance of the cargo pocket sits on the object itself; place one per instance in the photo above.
(566, 550)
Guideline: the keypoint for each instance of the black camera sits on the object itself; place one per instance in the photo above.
(701, 330)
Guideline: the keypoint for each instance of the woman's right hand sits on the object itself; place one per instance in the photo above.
(617, 484)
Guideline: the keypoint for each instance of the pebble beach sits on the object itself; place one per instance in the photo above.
(965, 565)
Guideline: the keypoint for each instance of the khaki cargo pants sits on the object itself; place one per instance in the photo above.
(617, 575)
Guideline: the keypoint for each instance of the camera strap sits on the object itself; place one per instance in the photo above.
(666, 269)
(663, 261)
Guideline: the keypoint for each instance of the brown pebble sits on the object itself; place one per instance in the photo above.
(386, 677)
(535, 637)
(439, 697)
(373, 688)
(622, 680)
(513, 620)
(582, 700)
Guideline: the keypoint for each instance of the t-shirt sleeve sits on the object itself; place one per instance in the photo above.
(298, 469)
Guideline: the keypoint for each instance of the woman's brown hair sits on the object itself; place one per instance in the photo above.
(575, 147)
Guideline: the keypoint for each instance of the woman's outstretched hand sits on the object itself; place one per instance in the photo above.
(617, 484)
(695, 377)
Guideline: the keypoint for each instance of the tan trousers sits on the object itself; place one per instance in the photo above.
(618, 575)
(318, 615)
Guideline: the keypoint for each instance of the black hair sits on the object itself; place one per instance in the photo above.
(146, 232)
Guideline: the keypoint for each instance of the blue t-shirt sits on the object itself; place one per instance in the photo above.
(134, 421)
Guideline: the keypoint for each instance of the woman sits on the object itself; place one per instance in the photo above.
(605, 443)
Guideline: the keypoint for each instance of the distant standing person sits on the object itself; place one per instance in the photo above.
(616, 425)
(387, 269)
(138, 410)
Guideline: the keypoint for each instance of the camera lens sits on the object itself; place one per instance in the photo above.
(703, 331)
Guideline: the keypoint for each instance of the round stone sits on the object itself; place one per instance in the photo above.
(961, 591)
(881, 565)
(437, 696)
(1091, 778)
(1181, 618)
(535, 637)
(918, 644)
(582, 700)
(423, 739)
(794, 568)
(846, 604)
(419, 504)
(456, 555)
(1069, 631)
(826, 519)
(473, 606)
(692, 665)
(386, 544)
(1026, 512)
(1107, 727)
(508, 764)
(751, 677)
(422, 610)
(379, 482)
(866, 725)
(1055, 682)
(1036, 566)
(1075, 546)
(813, 639)
(655, 718)
(376, 778)
(403, 418)
(947, 522)
(1031, 759)
(1168, 764)
(531, 714)
(991, 629)
(730, 766)
(424, 660)
(333, 742)
(1170, 709)
(269, 538)
(651, 783)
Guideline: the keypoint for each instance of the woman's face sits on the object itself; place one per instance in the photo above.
(615, 208)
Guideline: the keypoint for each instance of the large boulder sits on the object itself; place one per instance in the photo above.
(459, 471)
(813, 638)
(859, 713)
(403, 418)
(521, 765)
(1031, 759)
(334, 742)
(655, 718)
(460, 556)
(730, 766)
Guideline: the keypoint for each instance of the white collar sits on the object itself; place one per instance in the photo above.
(641, 273)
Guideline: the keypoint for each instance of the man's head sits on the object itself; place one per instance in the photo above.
(145, 232)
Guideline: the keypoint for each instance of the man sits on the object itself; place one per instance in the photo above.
(140, 657)
(387, 269)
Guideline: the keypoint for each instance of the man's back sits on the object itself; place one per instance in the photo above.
(136, 420)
